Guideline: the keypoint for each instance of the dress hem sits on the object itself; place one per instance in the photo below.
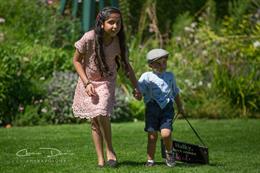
(89, 115)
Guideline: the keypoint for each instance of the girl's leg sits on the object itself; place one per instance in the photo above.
(98, 140)
(105, 127)
(167, 139)
(151, 145)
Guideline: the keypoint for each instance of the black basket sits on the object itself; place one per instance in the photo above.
(186, 152)
(189, 153)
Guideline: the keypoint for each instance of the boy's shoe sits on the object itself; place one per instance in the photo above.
(149, 164)
(169, 160)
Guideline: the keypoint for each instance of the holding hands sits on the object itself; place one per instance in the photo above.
(137, 94)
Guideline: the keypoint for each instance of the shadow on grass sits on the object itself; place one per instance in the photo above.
(131, 163)
(178, 164)
(183, 164)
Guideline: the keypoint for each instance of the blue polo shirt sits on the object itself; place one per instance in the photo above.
(160, 87)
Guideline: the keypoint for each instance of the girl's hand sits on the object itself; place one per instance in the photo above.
(90, 90)
(137, 94)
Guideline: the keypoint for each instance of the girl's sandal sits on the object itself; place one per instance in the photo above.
(112, 163)
(100, 166)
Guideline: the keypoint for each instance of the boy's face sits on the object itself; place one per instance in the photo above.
(159, 65)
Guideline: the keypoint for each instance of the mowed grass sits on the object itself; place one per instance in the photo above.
(234, 146)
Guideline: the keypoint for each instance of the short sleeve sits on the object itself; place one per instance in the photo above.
(142, 84)
(82, 44)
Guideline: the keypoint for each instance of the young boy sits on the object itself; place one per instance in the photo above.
(160, 91)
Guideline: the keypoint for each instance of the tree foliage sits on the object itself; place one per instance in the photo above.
(214, 51)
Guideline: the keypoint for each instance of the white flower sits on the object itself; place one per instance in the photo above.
(200, 83)
(42, 78)
(188, 29)
(178, 39)
(209, 85)
(256, 44)
(26, 59)
(44, 110)
(193, 24)
(2, 20)
(178, 55)
(188, 82)
(20, 108)
(204, 52)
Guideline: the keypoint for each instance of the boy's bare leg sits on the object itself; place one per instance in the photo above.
(107, 135)
(151, 145)
(98, 140)
(167, 139)
(169, 159)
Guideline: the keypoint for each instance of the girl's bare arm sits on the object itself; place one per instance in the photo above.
(77, 61)
(132, 78)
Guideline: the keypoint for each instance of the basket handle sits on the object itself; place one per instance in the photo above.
(176, 116)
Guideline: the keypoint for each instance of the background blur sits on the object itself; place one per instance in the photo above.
(214, 50)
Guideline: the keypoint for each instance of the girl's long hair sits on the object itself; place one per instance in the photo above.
(99, 36)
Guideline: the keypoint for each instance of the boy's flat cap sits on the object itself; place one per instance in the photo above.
(155, 54)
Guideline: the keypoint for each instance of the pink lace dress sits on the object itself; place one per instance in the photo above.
(102, 104)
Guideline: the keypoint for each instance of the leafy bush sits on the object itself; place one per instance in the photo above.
(15, 87)
(33, 115)
(137, 109)
(121, 111)
(38, 24)
(222, 65)
(23, 69)
(29, 56)
(55, 106)
(60, 96)
(215, 63)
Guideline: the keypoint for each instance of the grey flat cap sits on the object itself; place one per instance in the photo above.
(155, 54)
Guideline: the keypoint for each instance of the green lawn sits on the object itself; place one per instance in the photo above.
(234, 146)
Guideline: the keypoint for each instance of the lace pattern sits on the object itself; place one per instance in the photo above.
(102, 104)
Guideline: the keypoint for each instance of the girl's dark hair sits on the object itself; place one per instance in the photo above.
(99, 33)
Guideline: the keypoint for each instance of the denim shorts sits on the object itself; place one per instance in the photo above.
(157, 118)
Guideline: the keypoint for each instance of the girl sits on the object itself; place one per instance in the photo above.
(99, 53)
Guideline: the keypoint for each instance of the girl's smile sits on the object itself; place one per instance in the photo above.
(112, 25)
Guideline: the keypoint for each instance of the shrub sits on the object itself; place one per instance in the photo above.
(27, 58)
(55, 105)
(137, 109)
(15, 87)
(60, 96)
(38, 24)
(121, 111)
(219, 64)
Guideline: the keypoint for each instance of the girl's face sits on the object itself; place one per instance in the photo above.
(159, 65)
(112, 25)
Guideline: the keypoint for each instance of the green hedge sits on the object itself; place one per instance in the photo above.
(216, 62)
